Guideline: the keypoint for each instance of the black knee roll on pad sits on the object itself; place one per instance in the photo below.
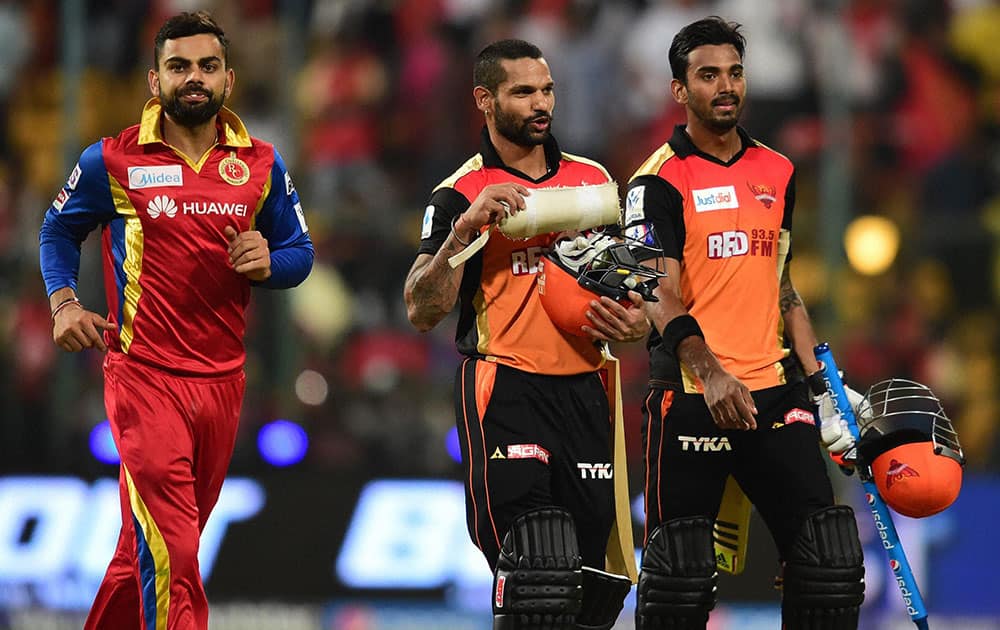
(537, 584)
(824, 573)
(678, 580)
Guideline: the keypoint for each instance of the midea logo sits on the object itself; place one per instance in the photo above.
(161, 204)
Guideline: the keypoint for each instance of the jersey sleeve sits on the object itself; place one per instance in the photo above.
(82, 204)
(282, 222)
(445, 204)
(652, 202)
(786, 219)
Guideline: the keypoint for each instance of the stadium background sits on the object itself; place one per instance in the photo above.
(889, 109)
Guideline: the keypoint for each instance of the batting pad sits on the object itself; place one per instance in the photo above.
(554, 210)
(732, 529)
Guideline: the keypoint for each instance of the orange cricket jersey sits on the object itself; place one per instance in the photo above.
(728, 225)
(500, 314)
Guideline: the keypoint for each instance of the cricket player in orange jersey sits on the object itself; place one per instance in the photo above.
(731, 347)
(532, 410)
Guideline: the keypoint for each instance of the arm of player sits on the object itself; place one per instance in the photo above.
(728, 399)
(279, 253)
(834, 433)
(431, 287)
(798, 326)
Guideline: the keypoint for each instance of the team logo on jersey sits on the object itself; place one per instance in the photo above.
(61, 199)
(74, 177)
(301, 216)
(641, 233)
(425, 227)
(234, 170)
(161, 204)
(718, 198)
(155, 176)
(764, 193)
(633, 205)
(897, 471)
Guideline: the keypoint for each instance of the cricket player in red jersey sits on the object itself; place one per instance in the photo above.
(193, 212)
(531, 407)
(731, 347)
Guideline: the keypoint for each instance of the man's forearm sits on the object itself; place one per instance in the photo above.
(798, 327)
(432, 286)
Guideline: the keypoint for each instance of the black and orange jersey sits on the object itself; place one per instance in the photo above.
(728, 224)
(500, 314)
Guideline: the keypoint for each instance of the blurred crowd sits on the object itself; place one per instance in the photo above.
(370, 103)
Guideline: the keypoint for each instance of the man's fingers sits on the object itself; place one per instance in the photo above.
(94, 337)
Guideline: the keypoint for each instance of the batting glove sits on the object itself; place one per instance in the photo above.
(833, 430)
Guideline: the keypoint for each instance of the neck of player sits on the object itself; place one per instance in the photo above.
(722, 146)
(193, 142)
(530, 160)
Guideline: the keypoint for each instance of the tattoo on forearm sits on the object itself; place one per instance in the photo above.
(788, 297)
(433, 286)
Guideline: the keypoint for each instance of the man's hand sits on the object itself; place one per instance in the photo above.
(492, 204)
(249, 254)
(612, 321)
(75, 328)
(833, 430)
(730, 402)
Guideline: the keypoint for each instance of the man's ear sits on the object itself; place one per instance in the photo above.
(153, 78)
(679, 91)
(483, 98)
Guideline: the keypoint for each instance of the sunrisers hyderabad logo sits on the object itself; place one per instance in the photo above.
(234, 170)
(764, 193)
(896, 473)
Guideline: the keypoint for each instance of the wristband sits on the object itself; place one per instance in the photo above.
(817, 384)
(60, 306)
(458, 238)
(678, 329)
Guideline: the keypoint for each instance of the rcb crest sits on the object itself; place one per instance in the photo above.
(234, 170)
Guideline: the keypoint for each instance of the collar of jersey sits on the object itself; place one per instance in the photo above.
(684, 147)
(233, 133)
(492, 159)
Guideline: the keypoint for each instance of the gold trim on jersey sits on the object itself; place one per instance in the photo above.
(569, 157)
(482, 322)
(475, 163)
(132, 265)
(157, 550)
(260, 202)
(234, 132)
(655, 161)
(764, 146)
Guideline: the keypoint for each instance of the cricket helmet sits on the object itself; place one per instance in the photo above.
(579, 269)
(913, 449)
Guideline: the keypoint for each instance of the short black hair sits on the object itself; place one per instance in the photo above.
(710, 31)
(489, 72)
(185, 25)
